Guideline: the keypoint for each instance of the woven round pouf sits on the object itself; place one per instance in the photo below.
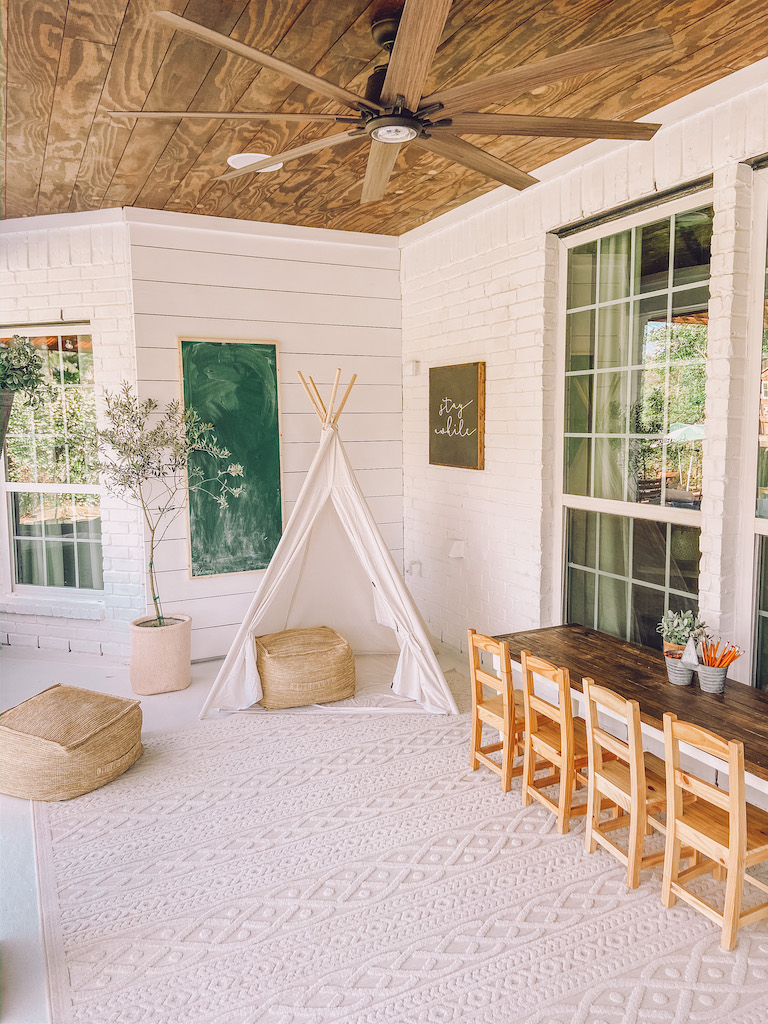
(304, 666)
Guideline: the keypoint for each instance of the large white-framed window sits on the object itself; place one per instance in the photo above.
(51, 479)
(759, 366)
(633, 361)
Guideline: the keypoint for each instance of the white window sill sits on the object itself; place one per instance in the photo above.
(63, 608)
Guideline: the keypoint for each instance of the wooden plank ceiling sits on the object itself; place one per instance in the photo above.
(66, 64)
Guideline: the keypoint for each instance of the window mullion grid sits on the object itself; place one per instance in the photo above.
(630, 575)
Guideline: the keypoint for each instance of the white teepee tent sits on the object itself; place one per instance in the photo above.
(333, 568)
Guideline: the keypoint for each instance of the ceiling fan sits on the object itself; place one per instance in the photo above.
(394, 112)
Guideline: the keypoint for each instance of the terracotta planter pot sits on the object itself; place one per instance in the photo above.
(673, 647)
(161, 655)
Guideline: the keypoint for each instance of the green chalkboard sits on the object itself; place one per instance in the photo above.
(233, 385)
(457, 415)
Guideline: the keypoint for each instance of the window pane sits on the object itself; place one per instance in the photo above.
(609, 468)
(26, 514)
(60, 564)
(581, 597)
(652, 257)
(614, 544)
(610, 403)
(29, 562)
(582, 535)
(646, 403)
(647, 611)
(582, 272)
(649, 329)
(612, 606)
(87, 516)
(649, 552)
(645, 471)
(614, 266)
(578, 404)
(684, 559)
(613, 335)
(89, 566)
(580, 340)
(577, 465)
(693, 236)
(20, 459)
(58, 515)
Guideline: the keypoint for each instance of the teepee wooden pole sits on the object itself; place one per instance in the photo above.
(311, 397)
(329, 413)
(344, 399)
(319, 399)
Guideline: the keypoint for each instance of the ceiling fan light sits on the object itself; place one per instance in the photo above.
(394, 133)
(238, 160)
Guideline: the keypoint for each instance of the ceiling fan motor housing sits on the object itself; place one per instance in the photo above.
(394, 128)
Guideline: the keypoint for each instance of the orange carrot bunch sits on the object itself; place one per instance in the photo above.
(712, 655)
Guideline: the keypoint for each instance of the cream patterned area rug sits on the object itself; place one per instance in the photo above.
(308, 869)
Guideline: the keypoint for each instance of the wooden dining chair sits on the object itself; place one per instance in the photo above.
(556, 737)
(731, 834)
(633, 779)
(503, 710)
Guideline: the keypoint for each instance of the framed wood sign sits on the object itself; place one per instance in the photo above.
(457, 416)
(233, 385)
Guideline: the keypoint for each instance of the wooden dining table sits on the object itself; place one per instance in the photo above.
(639, 673)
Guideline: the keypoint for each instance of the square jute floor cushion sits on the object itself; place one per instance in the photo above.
(66, 741)
(304, 666)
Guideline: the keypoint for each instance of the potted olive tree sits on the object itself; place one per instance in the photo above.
(152, 461)
(22, 373)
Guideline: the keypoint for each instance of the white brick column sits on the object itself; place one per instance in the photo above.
(727, 364)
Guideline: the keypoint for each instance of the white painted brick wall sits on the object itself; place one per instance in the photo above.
(506, 514)
(66, 268)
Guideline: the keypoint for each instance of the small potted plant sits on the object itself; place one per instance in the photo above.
(22, 373)
(676, 629)
(153, 461)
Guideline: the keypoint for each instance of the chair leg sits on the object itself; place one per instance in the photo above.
(593, 815)
(474, 764)
(672, 850)
(719, 873)
(734, 889)
(529, 762)
(506, 764)
(637, 824)
(567, 780)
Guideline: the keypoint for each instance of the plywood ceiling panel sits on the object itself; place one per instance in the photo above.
(65, 65)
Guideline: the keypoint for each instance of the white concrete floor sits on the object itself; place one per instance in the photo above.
(24, 673)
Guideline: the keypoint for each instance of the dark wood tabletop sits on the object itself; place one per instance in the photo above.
(638, 673)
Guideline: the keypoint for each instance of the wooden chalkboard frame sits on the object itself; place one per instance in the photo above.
(469, 456)
(232, 341)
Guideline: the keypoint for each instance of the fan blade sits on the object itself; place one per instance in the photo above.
(305, 78)
(381, 161)
(504, 86)
(228, 115)
(558, 127)
(421, 25)
(294, 154)
(462, 152)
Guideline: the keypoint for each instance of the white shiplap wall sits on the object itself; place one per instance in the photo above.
(326, 299)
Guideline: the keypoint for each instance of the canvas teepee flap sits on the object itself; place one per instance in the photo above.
(333, 568)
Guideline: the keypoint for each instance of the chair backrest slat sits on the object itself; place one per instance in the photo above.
(562, 712)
